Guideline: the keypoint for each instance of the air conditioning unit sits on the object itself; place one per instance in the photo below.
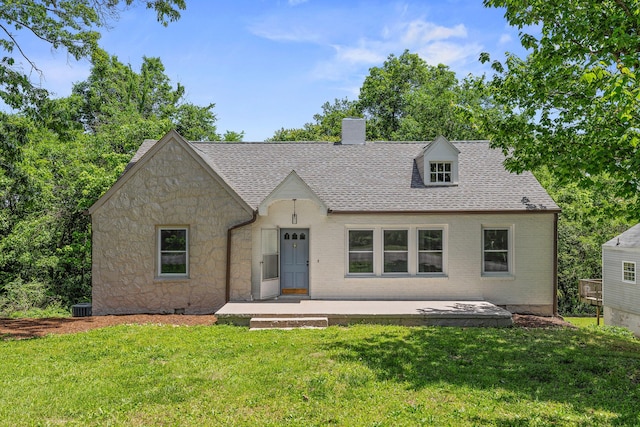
(81, 310)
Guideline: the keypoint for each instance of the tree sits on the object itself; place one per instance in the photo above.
(127, 106)
(71, 25)
(573, 103)
(589, 218)
(56, 162)
(17, 191)
(405, 99)
(384, 94)
(327, 126)
(445, 107)
(408, 99)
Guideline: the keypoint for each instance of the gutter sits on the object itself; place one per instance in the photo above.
(227, 293)
(445, 212)
(555, 264)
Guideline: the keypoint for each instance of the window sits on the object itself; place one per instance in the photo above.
(396, 251)
(495, 254)
(430, 252)
(413, 251)
(173, 251)
(440, 172)
(360, 251)
(629, 272)
(270, 256)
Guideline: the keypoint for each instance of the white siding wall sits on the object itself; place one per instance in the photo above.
(621, 300)
(529, 289)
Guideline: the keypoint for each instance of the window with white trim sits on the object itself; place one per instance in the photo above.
(440, 172)
(431, 251)
(396, 251)
(496, 257)
(173, 251)
(628, 272)
(360, 251)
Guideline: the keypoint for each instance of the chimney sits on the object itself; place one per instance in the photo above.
(353, 131)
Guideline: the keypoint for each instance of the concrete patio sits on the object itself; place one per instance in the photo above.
(286, 312)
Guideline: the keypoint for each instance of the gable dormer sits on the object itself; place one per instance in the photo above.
(438, 163)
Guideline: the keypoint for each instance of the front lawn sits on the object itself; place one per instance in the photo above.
(360, 375)
(584, 322)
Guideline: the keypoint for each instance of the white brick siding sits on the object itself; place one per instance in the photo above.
(529, 289)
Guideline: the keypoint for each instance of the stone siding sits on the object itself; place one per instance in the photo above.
(170, 189)
(241, 264)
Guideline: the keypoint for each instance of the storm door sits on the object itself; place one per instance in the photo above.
(270, 264)
(294, 261)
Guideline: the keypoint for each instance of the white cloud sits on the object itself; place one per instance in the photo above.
(280, 34)
(436, 44)
(420, 32)
(358, 55)
(449, 53)
(359, 43)
(58, 75)
(504, 39)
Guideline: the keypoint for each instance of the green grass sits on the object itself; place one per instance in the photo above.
(37, 313)
(584, 322)
(360, 375)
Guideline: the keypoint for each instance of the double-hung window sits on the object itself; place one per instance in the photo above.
(360, 251)
(430, 251)
(396, 251)
(496, 258)
(173, 251)
(628, 272)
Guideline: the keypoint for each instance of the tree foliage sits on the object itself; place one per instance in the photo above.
(327, 126)
(589, 218)
(130, 106)
(70, 24)
(573, 103)
(57, 161)
(405, 99)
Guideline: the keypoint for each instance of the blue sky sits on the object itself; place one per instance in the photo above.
(269, 64)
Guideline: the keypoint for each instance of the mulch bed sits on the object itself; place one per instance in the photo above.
(30, 328)
(529, 321)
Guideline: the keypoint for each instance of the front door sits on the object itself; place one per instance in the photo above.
(294, 255)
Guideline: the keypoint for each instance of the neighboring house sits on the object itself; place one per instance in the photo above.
(620, 282)
(192, 225)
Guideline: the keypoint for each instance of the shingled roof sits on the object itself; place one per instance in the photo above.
(628, 239)
(373, 177)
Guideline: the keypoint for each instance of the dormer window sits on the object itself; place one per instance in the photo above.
(438, 163)
(440, 172)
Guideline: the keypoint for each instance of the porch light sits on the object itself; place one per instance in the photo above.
(294, 216)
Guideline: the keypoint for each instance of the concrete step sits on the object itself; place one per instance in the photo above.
(288, 322)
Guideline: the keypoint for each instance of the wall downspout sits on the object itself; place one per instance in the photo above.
(555, 264)
(227, 292)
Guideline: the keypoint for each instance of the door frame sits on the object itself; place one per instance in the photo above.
(295, 291)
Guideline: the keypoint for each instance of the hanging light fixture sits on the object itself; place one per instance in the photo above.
(294, 216)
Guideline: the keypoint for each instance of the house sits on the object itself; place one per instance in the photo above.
(620, 285)
(190, 226)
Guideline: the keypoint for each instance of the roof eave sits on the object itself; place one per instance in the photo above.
(443, 212)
